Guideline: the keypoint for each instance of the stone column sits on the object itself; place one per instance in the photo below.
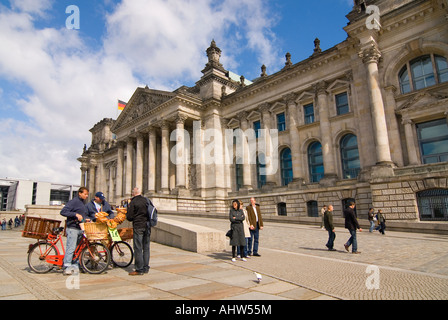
(165, 157)
(410, 142)
(270, 154)
(247, 172)
(326, 134)
(152, 150)
(83, 176)
(370, 57)
(110, 196)
(180, 156)
(92, 175)
(119, 177)
(139, 162)
(295, 140)
(129, 166)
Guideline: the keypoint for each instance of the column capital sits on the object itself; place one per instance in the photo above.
(371, 54)
(289, 98)
(320, 88)
(180, 118)
(264, 107)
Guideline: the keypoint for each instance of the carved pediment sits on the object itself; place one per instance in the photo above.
(142, 102)
(422, 100)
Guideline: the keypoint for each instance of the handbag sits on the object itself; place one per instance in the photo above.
(229, 233)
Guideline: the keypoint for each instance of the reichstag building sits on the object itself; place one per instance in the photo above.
(363, 120)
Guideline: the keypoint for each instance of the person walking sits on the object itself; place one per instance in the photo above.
(255, 225)
(381, 222)
(236, 217)
(351, 223)
(137, 213)
(75, 211)
(4, 224)
(371, 217)
(98, 204)
(322, 213)
(328, 223)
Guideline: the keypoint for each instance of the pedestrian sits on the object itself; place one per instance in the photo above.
(236, 217)
(246, 232)
(322, 212)
(75, 211)
(255, 225)
(328, 223)
(10, 223)
(381, 221)
(371, 217)
(351, 223)
(4, 224)
(137, 213)
(16, 222)
(98, 204)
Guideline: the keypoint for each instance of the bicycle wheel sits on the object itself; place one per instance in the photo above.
(37, 257)
(95, 258)
(121, 254)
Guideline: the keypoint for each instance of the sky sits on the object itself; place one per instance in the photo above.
(63, 70)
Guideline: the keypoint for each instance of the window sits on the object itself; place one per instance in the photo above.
(433, 205)
(286, 166)
(261, 164)
(350, 157)
(257, 126)
(239, 174)
(312, 209)
(281, 209)
(433, 141)
(423, 72)
(315, 161)
(281, 122)
(3, 198)
(342, 103)
(309, 113)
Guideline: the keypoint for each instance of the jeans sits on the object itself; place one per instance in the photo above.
(352, 241)
(141, 249)
(331, 237)
(244, 251)
(73, 238)
(254, 237)
(372, 225)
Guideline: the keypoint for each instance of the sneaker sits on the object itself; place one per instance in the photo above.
(233, 259)
(243, 259)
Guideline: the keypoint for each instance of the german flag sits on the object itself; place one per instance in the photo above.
(121, 105)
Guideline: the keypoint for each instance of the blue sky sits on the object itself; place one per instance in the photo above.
(56, 83)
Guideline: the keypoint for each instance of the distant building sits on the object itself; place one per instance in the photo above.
(15, 194)
(365, 120)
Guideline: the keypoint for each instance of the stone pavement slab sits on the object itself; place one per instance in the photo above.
(174, 275)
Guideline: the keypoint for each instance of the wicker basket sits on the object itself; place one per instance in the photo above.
(96, 231)
(39, 228)
(126, 233)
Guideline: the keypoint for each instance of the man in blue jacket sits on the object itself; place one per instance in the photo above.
(75, 211)
(98, 204)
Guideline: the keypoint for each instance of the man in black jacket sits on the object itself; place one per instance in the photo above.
(75, 211)
(137, 214)
(328, 223)
(351, 223)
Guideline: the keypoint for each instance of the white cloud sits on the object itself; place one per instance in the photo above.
(72, 87)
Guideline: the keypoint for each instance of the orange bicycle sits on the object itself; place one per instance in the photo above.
(44, 255)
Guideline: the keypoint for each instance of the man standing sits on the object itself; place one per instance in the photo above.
(75, 211)
(255, 225)
(328, 223)
(351, 223)
(137, 214)
(98, 204)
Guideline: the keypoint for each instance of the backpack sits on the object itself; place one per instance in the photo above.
(152, 214)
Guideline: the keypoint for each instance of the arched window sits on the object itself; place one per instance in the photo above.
(281, 209)
(261, 164)
(286, 166)
(433, 205)
(350, 157)
(312, 209)
(423, 72)
(315, 161)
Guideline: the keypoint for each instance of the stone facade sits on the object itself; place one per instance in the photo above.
(355, 90)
